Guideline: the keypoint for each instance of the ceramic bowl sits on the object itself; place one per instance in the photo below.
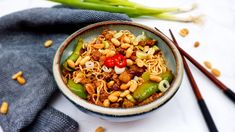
(172, 55)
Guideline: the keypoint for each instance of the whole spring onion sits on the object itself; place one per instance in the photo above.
(132, 9)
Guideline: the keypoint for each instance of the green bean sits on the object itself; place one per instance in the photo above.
(145, 90)
(74, 56)
(77, 88)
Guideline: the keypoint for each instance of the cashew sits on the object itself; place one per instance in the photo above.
(116, 93)
(126, 39)
(110, 84)
(125, 86)
(111, 53)
(98, 46)
(112, 98)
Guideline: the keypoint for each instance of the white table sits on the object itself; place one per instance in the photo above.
(181, 114)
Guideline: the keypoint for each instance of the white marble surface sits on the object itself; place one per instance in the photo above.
(181, 114)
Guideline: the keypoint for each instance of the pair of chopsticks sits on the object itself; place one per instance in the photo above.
(229, 93)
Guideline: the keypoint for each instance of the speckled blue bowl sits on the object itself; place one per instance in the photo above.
(171, 53)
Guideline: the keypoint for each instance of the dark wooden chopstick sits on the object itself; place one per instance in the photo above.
(228, 92)
(206, 114)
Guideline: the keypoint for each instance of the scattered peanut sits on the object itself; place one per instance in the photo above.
(215, 72)
(111, 53)
(125, 45)
(110, 84)
(90, 88)
(196, 44)
(208, 64)
(20, 73)
(98, 46)
(129, 52)
(106, 103)
(84, 60)
(115, 41)
(71, 64)
(155, 78)
(48, 43)
(184, 32)
(133, 86)
(139, 62)
(21, 80)
(99, 129)
(125, 93)
(129, 62)
(4, 108)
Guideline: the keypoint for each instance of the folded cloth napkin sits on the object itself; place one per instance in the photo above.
(22, 37)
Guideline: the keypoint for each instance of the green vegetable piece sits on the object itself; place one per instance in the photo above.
(106, 44)
(145, 90)
(155, 47)
(77, 88)
(74, 56)
(146, 76)
(167, 76)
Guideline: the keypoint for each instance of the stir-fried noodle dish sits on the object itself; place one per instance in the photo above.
(117, 69)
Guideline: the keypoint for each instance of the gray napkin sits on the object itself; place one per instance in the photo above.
(22, 35)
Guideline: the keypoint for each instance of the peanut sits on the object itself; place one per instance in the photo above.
(215, 72)
(129, 62)
(208, 64)
(20, 73)
(125, 93)
(106, 103)
(116, 93)
(4, 108)
(184, 32)
(155, 78)
(125, 86)
(84, 60)
(110, 84)
(125, 45)
(133, 86)
(21, 80)
(111, 53)
(115, 41)
(90, 88)
(48, 43)
(139, 62)
(126, 39)
(196, 44)
(98, 46)
(71, 64)
(112, 98)
(129, 52)
(99, 129)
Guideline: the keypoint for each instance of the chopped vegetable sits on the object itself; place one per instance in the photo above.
(77, 88)
(146, 76)
(120, 61)
(106, 44)
(109, 62)
(167, 76)
(163, 85)
(119, 70)
(145, 90)
(155, 47)
(141, 37)
(141, 54)
(74, 56)
(89, 64)
(106, 69)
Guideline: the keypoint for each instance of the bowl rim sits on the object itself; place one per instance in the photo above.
(118, 111)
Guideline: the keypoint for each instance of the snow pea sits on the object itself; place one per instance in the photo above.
(74, 56)
(77, 88)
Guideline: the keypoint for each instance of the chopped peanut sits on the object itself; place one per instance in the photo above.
(184, 32)
(215, 72)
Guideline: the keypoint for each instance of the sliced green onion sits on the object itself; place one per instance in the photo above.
(106, 44)
(141, 54)
(163, 85)
(155, 47)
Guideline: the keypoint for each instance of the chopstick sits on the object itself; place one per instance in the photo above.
(228, 92)
(203, 107)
